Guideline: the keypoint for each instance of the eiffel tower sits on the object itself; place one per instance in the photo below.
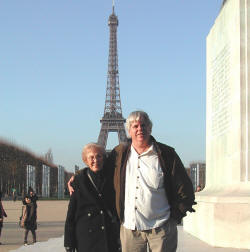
(112, 120)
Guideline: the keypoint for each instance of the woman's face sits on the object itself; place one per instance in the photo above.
(94, 159)
(27, 200)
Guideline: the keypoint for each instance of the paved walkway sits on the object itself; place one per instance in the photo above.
(188, 243)
(51, 217)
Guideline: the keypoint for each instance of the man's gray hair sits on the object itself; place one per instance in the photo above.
(90, 146)
(137, 116)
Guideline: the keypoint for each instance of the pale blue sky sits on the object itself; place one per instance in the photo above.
(53, 71)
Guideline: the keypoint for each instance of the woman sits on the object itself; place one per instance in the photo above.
(28, 221)
(2, 215)
(90, 221)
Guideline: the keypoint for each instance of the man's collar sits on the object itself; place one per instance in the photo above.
(150, 149)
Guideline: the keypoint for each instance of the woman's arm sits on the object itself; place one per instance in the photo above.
(69, 231)
(24, 216)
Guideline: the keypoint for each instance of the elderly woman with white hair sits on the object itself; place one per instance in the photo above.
(91, 215)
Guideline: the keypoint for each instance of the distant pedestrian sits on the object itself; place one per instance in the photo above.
(33, 198)
(14, 194)
(2, 215)
(28, 221)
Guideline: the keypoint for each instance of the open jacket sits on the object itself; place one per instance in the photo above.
(88, 226)
(178, 186)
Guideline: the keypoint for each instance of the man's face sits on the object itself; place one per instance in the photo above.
(139, 132)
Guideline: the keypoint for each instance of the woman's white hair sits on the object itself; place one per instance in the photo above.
(90, 146)
(137, 116)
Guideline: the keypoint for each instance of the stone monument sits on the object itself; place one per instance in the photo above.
(222, 215)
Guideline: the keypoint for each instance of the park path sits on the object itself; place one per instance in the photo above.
(51, 216)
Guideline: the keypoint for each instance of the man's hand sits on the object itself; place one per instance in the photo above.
(70, 188)
(68, 249)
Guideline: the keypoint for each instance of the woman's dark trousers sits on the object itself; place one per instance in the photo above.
(26, 235)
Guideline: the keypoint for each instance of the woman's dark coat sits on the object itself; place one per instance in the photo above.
(29, 217)
(88, 226)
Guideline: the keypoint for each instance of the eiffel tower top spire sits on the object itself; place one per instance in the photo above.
(112, 120)
(113, 6)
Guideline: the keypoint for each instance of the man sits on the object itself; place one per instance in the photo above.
(33, 197)
(153, 190)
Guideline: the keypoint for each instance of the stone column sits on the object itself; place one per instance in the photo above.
(46, 181)
(60, 182)
(222, 215)
(30, 177)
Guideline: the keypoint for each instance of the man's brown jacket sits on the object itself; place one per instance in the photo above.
(178, 186)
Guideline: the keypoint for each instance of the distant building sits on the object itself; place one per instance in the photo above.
(198, 174)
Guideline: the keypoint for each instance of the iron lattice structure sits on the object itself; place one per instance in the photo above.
(112, 120)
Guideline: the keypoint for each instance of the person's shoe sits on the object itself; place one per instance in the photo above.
(25, 244)
(1, 243)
